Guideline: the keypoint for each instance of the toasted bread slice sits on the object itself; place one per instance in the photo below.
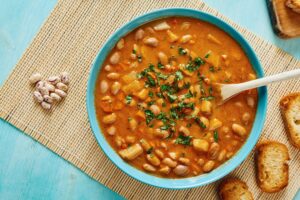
(272, 167)
(234, 189)
(294, 5)
(290, 110)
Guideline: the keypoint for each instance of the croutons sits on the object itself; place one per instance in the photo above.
(272, 167)
(234, 189)
(290, 110)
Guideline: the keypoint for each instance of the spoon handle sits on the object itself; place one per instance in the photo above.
(269, 79)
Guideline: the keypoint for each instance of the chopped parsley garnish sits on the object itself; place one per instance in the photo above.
(227, 80)
(133, 51)
(164, 104)
(160, 66)
(212, 69)
(161, 76)
(195, 64)
(151, 82)
(149, 150)
(172, 98)
(150, 103)
(216, 136)
(200, 123)
(207, 55)
(188, 125)
(178, 75)
(151, 94)
(210, 90)
(208, 98)
(139, 58)
(128, 99)
(189, 94)
(184, 140)
(149, 116)
(182, 51)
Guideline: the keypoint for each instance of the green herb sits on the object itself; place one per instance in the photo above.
(182, 51)
(160, 95)
(186, 85)
(151, 82)
(189, 94)
(188, 125)
(164, 104)
(208, 98)
(149, 116)
(178, 75)
(173, 113)
(150, 103)
(207, 55)
(184, 140)
(210, 90)
(161, 76)
(172, 47)
(133, 51)
(195, 64)
(160, 66)
(172, 98)
(149, 150)
(129, 119)
(150, 94)
(139, 58)
(212, 69)
(165, 127)
(227, 80)
(200, 123)
(216, 136)
(128, 99)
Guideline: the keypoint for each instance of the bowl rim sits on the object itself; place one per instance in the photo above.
(190, 182)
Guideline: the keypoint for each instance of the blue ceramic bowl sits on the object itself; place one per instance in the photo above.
(185, 183)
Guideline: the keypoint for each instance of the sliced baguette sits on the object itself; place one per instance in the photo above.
(234, 189)
(290, 110)
(272, 167)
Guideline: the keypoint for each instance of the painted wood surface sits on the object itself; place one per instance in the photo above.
(30, 171)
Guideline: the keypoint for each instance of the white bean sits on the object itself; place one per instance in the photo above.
(185, 38)
(139, 34)
(250, 102)
(151, 41)
(214, 150)
(62, 86)
(65, 78)
(109, 119)
(103, 86)
(155, 109)
(116, 86)
(115, 58)
(113, 76)
(149, 168)
(108, 68)
(181, 170)
(45, 105)
(120, 44)
(37, 96)
(162, 26)
(111, 130)
(238, 129)
(163, 58)
(184, 130)
(60, 93)
(208, 166)
(169, 162)
(35, 78)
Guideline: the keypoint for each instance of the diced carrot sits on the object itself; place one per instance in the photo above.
(140, 115)
(118, 105)
(106, 106)
(120, 96)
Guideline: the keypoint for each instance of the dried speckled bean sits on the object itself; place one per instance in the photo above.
(40, 84)
(115, 58)
(54, 80)
(65, 78)
(38, 96)
(50, 87)
(48, 99)
(55, 97)
(45, 105)
(44, 91)
(60, 93)
(62, 86)
(34, 78)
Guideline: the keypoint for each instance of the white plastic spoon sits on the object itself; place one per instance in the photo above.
(227, 91)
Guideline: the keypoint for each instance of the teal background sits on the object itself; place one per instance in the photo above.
(30, 171)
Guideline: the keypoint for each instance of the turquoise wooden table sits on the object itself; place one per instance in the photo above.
(30, 171)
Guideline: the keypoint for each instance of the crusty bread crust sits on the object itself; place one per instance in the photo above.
(271, 166)
(287, 104)
(234, 189)
(294, 5)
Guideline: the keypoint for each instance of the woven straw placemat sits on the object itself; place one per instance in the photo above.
(69, 41)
